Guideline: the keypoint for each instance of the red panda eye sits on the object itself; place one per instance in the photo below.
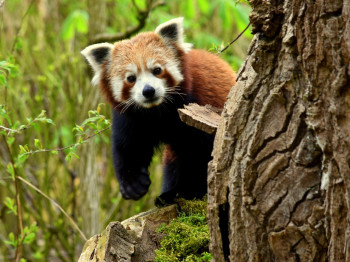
(131, 79)
(157, 71)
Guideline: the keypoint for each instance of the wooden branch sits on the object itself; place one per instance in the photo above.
(205, 118)
(141, 16)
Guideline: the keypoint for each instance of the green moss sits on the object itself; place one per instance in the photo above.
(187, 237)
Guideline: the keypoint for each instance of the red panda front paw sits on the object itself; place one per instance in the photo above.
(134, 185)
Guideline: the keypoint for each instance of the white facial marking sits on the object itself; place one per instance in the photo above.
(132, 68)
(147, 78)
(117, 87)
(174, 70)
(150, 63)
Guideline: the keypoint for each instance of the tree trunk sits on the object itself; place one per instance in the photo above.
(279, 180)
(88, 164)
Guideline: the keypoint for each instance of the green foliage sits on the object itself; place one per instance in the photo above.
(10, 204)
(76, 22)
(187, 237)
(7, 69)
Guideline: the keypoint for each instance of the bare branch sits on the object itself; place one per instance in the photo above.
(10, 130)
(141, 16)
(234, 40)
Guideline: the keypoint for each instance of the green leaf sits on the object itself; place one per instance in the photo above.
(75, 155)
(10, 204)
(90, 120)
(77, 21)
(21, 158)
(68, 157)
(81, 20)
(67, 31)
(12, 241)
(22, 149)
(49, 121)
(3, 80)
(10, 140)
(29, 238)
(38, 144)
(11, 170)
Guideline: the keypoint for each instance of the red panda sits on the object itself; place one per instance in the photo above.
(147, 79)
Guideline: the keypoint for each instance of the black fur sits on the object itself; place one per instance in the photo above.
(135, 135)
(170, 31)
(100, 54)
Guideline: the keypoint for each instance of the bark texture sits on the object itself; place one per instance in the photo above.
(133, 240)
(279, 182)
(205, 118)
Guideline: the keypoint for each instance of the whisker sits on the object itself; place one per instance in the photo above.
(127, 104)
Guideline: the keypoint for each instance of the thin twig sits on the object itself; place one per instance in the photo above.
(56, 205)
(234, 40)
(21, 128)
(141, 16)
(67, 147)
(10, 130)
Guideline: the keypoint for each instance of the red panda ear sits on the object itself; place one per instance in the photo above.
(172, 32)
(97, 55)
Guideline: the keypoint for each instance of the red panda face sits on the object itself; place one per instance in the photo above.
(143, 71)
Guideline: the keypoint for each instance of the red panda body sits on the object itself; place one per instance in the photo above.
(207, 77)
(146, 80)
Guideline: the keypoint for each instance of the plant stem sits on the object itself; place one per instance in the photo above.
(56, 205)
(18, 253)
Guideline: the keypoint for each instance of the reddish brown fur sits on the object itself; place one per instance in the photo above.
(126, 90)
(145, 45)
(169, 79)
(168, 155)
(207, 77)
(105, 86)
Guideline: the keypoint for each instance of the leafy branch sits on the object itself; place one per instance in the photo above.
(30, 122)
(96, 122)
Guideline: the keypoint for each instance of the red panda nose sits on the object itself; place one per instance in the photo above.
(148, 91)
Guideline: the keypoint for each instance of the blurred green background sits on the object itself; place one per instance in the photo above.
(41, 69)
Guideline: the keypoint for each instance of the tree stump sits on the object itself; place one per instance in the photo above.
(133, 240)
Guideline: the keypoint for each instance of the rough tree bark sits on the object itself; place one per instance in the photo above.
(279, 182)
